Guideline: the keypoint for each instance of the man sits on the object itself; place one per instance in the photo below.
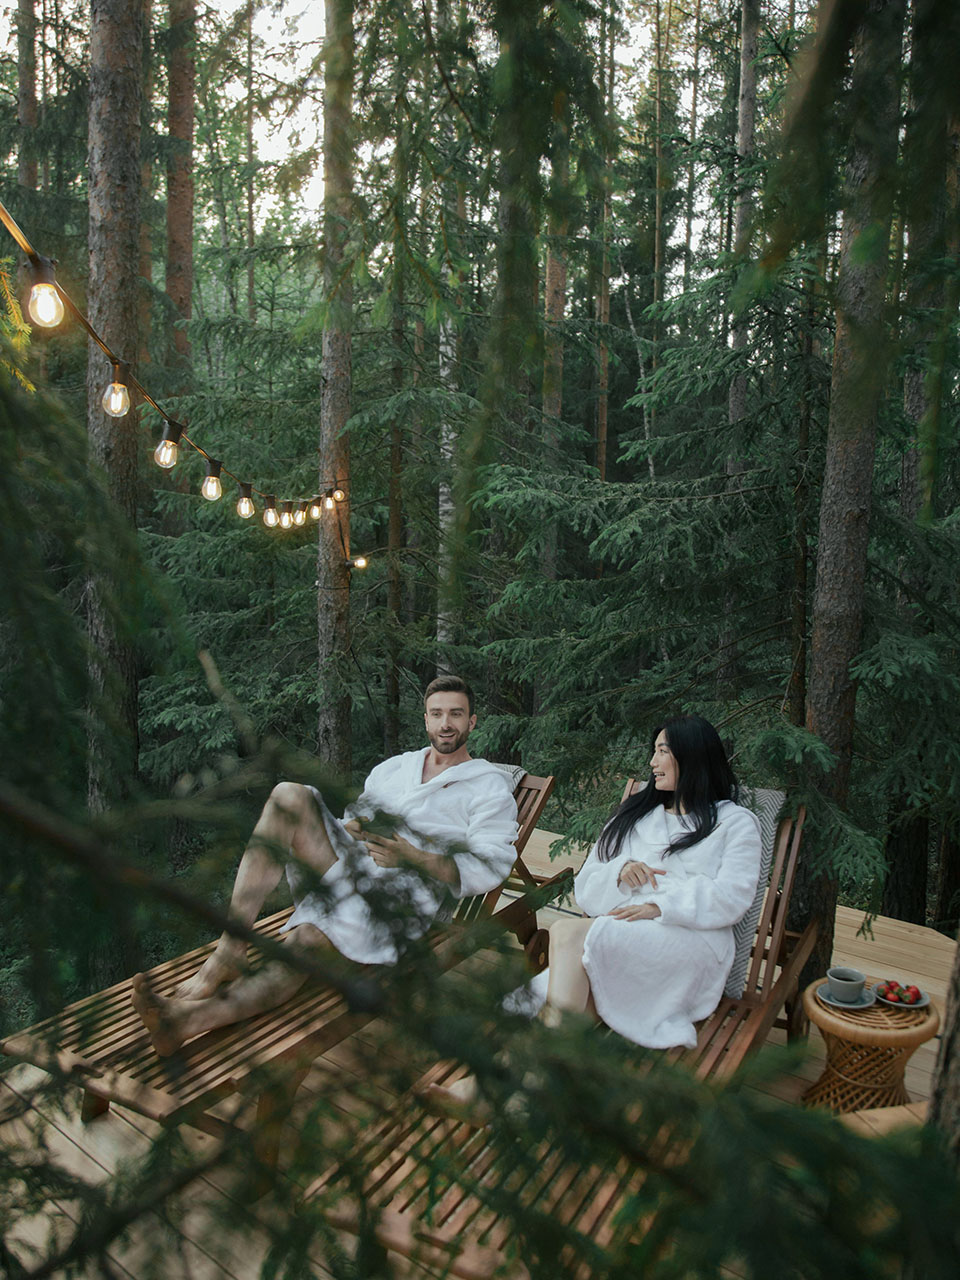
(429, 825)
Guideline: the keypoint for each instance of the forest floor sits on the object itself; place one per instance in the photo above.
(195, 1248)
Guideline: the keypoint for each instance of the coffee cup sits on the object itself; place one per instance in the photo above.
(845, 984)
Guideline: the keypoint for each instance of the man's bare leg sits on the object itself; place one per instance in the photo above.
(290, 820)
(172, 1020)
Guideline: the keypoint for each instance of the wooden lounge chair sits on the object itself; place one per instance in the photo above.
(100, 1044)
(455, 1230)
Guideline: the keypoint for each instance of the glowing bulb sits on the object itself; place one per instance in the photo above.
(315, 509)
(300, 515)
(165, 454)
(359, 562)
(211, 487)
(286, 515)
(116, 400)
(245, 507)
(45, 308)
(328, 502)
(270, 517)
(338, 495)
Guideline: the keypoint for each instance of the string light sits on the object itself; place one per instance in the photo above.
(245, 507)
(44, 306)
(116, 398)
(211, 487)
(165, 454)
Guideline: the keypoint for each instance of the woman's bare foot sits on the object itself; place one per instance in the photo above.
(157, 1015)
(460, 1100)
(219, 968)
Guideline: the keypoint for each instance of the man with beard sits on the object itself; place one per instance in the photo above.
(429, 826)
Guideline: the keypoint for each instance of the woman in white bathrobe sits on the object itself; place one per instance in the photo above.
(673, 871)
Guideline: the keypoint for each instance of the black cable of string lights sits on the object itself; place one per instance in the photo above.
(46, 306)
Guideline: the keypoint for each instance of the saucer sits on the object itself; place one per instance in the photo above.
(921, 1003)
(867, 997)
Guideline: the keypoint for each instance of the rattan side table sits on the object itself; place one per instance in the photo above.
(867, 1051)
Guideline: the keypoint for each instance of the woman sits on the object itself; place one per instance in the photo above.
(673, 871)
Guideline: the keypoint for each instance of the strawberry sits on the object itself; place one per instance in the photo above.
(893, 997)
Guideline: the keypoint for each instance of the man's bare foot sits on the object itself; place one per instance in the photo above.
(215, 971)
(460, 1100)
(156, 1015)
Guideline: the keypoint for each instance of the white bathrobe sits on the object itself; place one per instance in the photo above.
(653, 979)
(467, 811)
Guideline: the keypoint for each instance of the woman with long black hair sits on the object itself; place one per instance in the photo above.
(673, 871)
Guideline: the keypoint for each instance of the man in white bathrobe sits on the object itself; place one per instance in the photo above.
(429, 826)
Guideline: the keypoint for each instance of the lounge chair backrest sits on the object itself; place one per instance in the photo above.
(766, 804)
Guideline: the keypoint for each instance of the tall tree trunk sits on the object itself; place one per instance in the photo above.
(694, 94)
(27, 93)
(333, 575)
(114, 229)
(554, 305)
(448, 368)
(945, 1097)
(144, 300)
(251, 155)
(855, 389)
(391, 718)
(603, 300)
(181, 77)
(737, 404)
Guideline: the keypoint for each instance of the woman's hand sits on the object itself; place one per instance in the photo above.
(636, 911)
(636, 874)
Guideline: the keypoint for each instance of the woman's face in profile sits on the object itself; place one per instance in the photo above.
(663, 765)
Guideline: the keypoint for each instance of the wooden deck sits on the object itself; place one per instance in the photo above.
(200, 1249)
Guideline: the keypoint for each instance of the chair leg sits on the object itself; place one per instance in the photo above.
(273, 1108)
(92, 1106)
(537, 949)
(798, 1024)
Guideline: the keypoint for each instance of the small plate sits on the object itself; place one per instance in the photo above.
(867, 997)
(900, 1004)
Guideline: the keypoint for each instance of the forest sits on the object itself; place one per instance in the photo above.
(602, 352)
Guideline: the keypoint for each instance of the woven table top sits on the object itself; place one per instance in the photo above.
(879, 1024)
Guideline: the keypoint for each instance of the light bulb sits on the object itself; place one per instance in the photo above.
(359, 562)
(286, 515)
(211, 487)
(315, 509)
(328, 502)
(116, 400)
(45, 307)
(300, 515)
(165, 454)
(270, 517)
(338, 495)
(245, 507)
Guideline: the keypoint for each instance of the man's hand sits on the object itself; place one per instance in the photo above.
(637, 911)
(390, 851)
(636, 874)
(395, 851)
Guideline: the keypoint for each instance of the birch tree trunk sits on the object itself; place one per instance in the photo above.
(603, 300)
(855, 390)
(333, 574)
(181, 76)
(144, 301)
(554, 305)
(694, 93)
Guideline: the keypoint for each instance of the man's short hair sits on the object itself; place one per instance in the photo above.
(449, 684)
